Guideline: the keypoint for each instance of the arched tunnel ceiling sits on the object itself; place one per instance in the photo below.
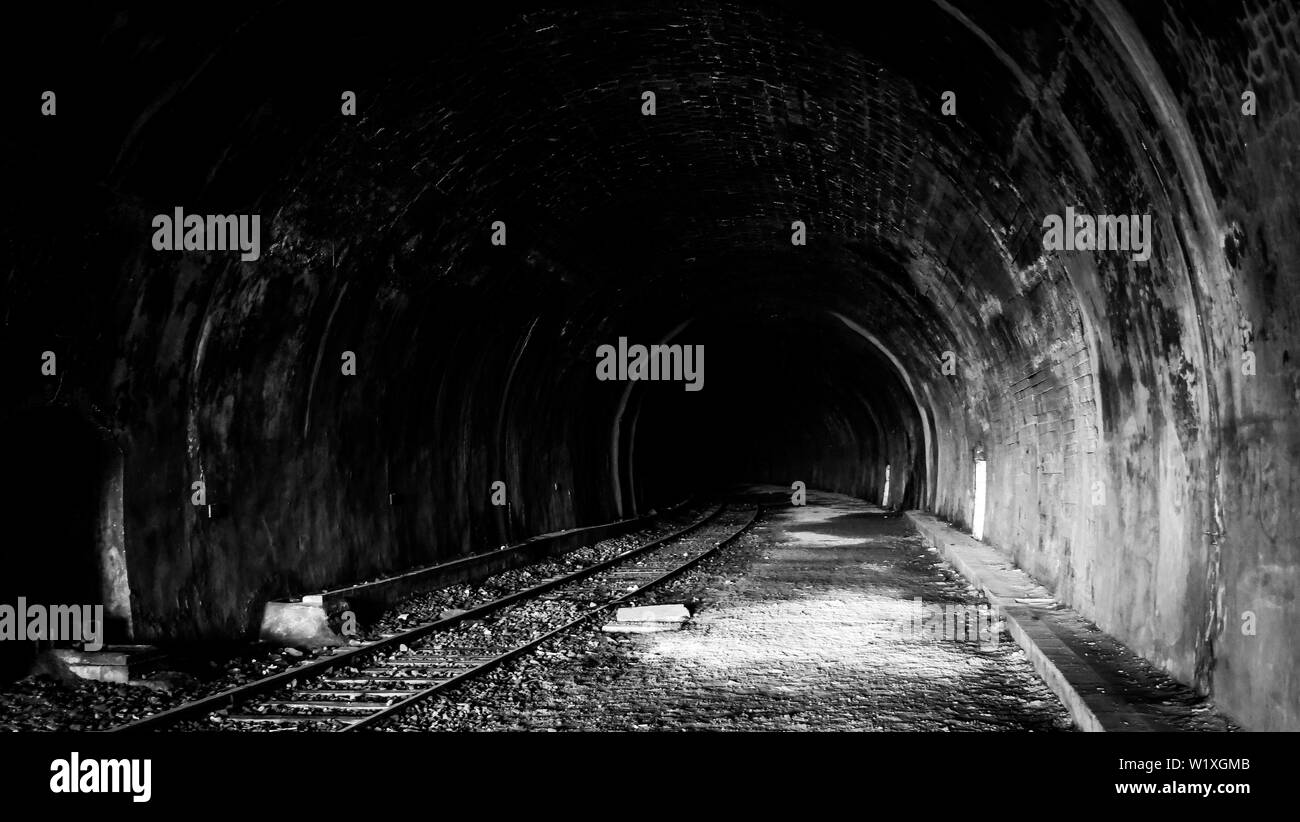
(744, 143)
(918, 215)
(923, 318)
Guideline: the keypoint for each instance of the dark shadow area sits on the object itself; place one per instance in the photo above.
(53, 475)
(788, 395)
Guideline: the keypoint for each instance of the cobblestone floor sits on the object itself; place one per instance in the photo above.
(793, 630)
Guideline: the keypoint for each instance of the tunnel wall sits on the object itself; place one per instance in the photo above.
(216, 356)
(1134, 464)
(427, 419)
(1253, 213)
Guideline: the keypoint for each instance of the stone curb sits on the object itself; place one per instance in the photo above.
(1012, 594)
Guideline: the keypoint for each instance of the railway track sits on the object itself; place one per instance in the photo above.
(365, 686)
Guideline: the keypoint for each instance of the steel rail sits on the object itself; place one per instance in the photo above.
(311, 670)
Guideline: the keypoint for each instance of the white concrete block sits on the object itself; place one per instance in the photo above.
(654, 613)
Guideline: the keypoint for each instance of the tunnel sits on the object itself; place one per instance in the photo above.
(844, 215)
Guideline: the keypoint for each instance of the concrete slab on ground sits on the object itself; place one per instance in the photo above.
(112, 663)
(654, 613)
(641, 627)
(306, 624)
